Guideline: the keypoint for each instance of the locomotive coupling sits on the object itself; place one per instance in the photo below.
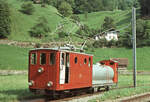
(40, 70)
(31, 83)
(49, 84)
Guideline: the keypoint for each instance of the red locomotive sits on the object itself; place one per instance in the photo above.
(57, 71)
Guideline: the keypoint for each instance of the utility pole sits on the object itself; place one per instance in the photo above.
(134, 43)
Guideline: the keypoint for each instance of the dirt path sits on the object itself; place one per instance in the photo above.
(13, 72)
(33, 44)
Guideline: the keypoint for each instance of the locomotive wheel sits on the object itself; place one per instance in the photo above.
(90, 90)
(107, 88)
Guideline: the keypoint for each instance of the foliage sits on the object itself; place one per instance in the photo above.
(83, 6)
(5, 20)
(27, 8)
(65, 9)
(104, 43)
(142, 34)
(86, 31)
(108, 23)
(145, 8)
(62, 34)
(76, 18)
(100, 43)
(41, 29)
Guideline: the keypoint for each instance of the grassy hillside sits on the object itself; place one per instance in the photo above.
(96, 19)
(17, 58)
(22, 23)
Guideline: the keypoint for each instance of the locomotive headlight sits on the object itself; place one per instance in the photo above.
(40, 70)
(49, 84)
(31, 83)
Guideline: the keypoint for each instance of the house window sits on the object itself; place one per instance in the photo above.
(33, 58)
(52, 58)
(43, 58)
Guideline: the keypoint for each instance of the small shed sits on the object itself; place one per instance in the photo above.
(122, 63)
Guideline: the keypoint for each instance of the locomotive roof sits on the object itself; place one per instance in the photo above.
(60, 49)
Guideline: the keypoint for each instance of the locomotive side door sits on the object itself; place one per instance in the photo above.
(64, 68)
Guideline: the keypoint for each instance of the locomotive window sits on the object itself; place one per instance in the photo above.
(62, 59)
(33, 58)
(43, 58)
(85, 61)
(111, 63)
(89, 62)
(67, 60)
(52, 58)
(75, 60)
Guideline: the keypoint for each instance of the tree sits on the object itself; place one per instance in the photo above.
(5, 20)
(41, 29)
(27, 8)
(142, 34)
(145, 8)
(65, 9)
(108, 23)
(86, 31)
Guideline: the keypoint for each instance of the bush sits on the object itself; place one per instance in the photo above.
(27, 8)
(5, 20)
(76, 18)
(111, 43)
(100, 43)
(41, 29)
(65, 9)
(62, 34)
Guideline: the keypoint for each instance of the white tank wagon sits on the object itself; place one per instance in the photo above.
(102, 75)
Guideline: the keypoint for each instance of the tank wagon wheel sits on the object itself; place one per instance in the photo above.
(98, 89)
(107, 88)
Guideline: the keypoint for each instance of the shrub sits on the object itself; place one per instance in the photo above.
(65, 9)
(27, 8)
(41, 29)
(62, 34)
(5, 20)
(100, 43)
(76, 18)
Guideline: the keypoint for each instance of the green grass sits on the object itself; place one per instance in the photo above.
(107, 53)
(96, 19)
(17, 58)
(22, 23)
(143, 82)
(13, 57)
(15, 88)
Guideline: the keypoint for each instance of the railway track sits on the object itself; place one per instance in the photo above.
(85, 97)
(138, 98)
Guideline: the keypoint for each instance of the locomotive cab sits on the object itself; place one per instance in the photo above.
(58, 70)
